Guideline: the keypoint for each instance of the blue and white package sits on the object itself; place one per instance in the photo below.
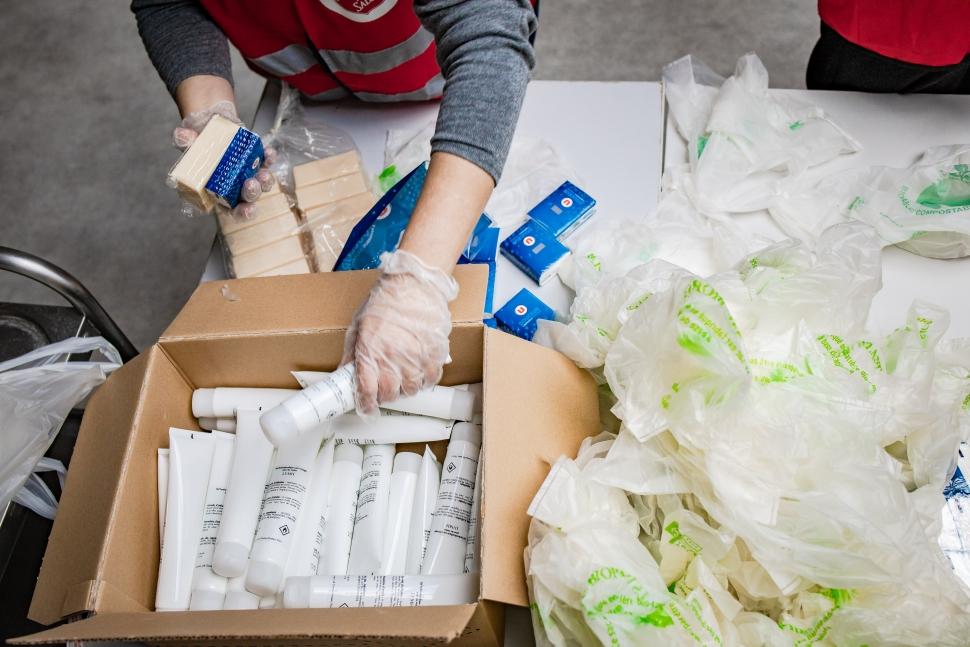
(955, 531)
(520, 316)
(535, 251)
(564, 210)
(240, 162)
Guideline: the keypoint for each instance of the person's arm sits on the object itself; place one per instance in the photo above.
(485, 57)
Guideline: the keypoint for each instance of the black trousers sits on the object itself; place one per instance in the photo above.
(837, 64)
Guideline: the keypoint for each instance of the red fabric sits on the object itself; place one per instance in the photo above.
(924, 32)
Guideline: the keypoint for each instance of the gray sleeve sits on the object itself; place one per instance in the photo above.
(486, 58)
(181, 40)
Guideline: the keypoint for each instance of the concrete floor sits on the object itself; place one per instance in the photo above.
(87, 125)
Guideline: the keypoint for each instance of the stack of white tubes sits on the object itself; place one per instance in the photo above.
(328, 517)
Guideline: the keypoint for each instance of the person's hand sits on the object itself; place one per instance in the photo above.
(398, 340)
(187, 132)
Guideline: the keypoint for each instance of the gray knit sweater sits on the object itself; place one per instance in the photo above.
(483, 51)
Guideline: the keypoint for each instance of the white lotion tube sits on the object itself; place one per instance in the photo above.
(283, 498)
(190, 459)
(218, 424)
(445, 553)
(375, 484)
(162, 494)
(327, 591)
(312, 407)
(389, 428)
(225, 401)
(400, 500)
(251, 462)
(341, 509)
(209, 589)
(425, 497)
(473, 560)
(237, 597)
(437, 401)
(304, 555)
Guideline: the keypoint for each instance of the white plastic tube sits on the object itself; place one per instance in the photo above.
(251, 461)
(225, 401)
(312, 407)
(375, 486)
(283, 498)
(162, 494)
(190, 459)
(237, 597)
(341, 509)
(478, 390)
(400, 500)
(326, 592)
(305, 552)
(437, 401)
(425, 497)
(209, 589)
(389, 428)
(218, 424)
(445, 553)
(473, 559)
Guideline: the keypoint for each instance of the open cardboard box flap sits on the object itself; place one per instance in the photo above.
(103, 551)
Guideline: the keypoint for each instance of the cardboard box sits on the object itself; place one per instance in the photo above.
(103, 552)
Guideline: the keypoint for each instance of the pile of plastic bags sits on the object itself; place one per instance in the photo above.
(769, 474)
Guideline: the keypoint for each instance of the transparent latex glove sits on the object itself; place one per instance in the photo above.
(398, 339)
(185, 133)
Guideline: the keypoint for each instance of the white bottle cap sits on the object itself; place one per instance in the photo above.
(241, 600)
(204, 600)
(296, 593)
(229, 559)
(470, 433)
(206, 422)
(263, 578)
(279, 425)
(203, 403)
(462, 405)
(348, 452)
(407, 462)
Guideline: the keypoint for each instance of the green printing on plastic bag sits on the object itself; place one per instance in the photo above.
(820, 628)
(953, 190)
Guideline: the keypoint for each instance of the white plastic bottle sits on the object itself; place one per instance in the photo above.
(445, 553)
(218, 424)
(208, 588)
(305, 551)
(225, 401)
(283, 500)
(389, 428)
(327, 591)
(311, 408)
(422, 510)
(375, 482)
(162, 494)
(190, 460)
(473, 560)
(400, 500)
(437, 401)
(341, 509)
(251, 462)
(237, 597)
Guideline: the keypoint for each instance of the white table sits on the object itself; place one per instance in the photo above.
(893, 131)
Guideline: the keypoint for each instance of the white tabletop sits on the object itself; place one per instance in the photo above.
(893, 130)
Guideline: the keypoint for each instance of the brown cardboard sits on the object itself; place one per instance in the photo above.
(103, 552)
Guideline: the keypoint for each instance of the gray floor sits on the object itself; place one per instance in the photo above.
(87, 126)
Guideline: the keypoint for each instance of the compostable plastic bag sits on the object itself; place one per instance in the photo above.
(35, 397)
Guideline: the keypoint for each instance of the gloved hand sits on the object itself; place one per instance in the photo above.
(190, 127)
(398, 339)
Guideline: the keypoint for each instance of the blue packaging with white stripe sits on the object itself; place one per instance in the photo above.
(240, 162)
(564, 210)
(521, 315)
(535, 251)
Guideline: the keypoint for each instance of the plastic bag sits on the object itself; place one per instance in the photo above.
(35, 398)
(35, 494)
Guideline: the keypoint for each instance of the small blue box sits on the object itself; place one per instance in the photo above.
(240, 162)
(564, 210)
(482, 245)
(535, 251)
(521, 314)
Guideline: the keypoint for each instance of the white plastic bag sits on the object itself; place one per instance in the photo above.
(35, 398)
